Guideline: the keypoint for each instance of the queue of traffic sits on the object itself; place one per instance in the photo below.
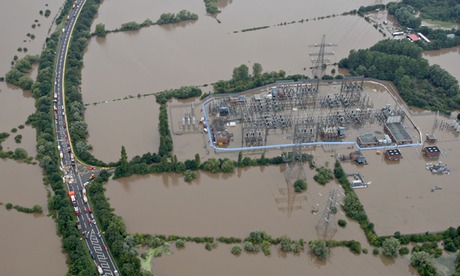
(74, 179)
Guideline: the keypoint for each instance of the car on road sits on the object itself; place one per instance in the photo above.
(84, 209)
(89, 220)
(89, 210)
(92, 176)
(77, 211)
(85, 199)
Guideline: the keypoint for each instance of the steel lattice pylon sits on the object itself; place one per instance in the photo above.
(320, 61)
(327, 225)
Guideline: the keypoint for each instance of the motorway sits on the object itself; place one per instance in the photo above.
(76, 174)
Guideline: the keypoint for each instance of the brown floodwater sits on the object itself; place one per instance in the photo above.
(446, 58)
(196, 260)
(26, 238)
(108, 131)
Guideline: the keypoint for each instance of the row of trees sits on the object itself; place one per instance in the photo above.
(419, 84)
(36, 209)
(165, 18)
(242, 80)
(75, 108)
(184, 92)
(59, 205)
(122, 245)
(19, 74)
(171, 18)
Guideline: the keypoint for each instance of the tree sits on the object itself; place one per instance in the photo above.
(212, 165)
(180, 243)
(319, 248)
(300, 185)
(423, 262)
(256, 70)
(189, 175)
(241, 73)
(197, 160)
(227, 166)
(25, 82)
(100, 30)
(390, 247)
(236, 250)
(20, 154)
(123, 169)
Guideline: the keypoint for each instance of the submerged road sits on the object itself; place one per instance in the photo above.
(75, 175)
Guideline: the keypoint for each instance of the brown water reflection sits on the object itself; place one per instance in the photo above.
(195, 260)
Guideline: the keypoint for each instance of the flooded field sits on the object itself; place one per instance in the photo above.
(446, 58)
(27, 238)
(29, 244)
(108, 131)
(222, 205)
(195, 260)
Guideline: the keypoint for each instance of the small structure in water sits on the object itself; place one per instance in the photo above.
(431, 152)
(393, 155)
(358, 157)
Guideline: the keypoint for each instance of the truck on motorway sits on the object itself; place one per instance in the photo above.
(72, 197)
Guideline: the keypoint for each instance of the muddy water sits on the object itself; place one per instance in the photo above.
(27, 238)
(108, 131)
(29, 244)
(400, 197)
(446, 58)
(223, 205)
(195, 260)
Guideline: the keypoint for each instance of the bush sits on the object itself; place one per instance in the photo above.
(236, 250)
(18, 138)
(375, 251)
(323, 176)
(300, 185)
(319, 248)
(180, 243)
(189, 175)
(403, 251)
(365, 251)
(390, 247)
(9, 206)
(14, 130)
(342, 223)
(354, 246)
